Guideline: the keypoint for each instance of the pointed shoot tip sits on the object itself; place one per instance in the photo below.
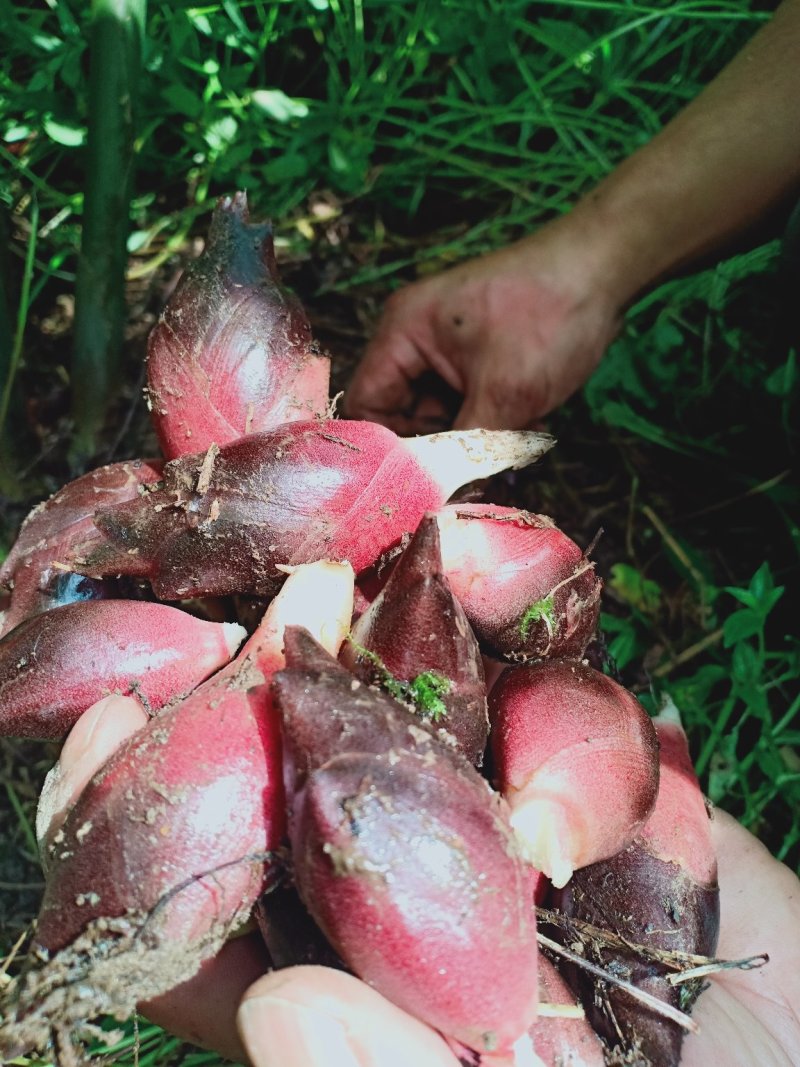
(668, 712)
(456, 457)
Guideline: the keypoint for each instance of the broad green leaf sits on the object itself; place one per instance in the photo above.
(200, 22)
(761, 581)
(693, 692)
(771, 761)
(564, 37)
(42, 80)
(137, 240)
(16, 133)
(771, 599)
(220, 133)
(626, 646)
(746, 664)
(183, 100)
(667, 336)
(762, 594)
(47, 43)
(724, 773)
(783, 379)
(744, 596)
(281, 107)
(72, 70)
(616, 414)
(64, 133)
(235, 15)
(740, 626)
(286, 167)
(235, 156)
(631, 586)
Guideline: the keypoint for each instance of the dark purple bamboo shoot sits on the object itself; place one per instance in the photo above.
(232, 353)
(527, 589)
(228, 520)
(660, 892)
(404, 856)
(415, 641)
(50, 530)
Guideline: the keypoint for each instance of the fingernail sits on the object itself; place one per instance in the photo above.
(101, 730)
(279, 1033)
(79, 739)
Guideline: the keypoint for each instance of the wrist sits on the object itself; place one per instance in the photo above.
(623, 231)
(596, 257)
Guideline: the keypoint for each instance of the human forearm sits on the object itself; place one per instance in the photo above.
(517, 331)
(713, 173)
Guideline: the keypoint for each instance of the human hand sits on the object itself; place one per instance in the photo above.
(744, 1017)
(316, 1017)
(514, 332)
(751, 1017)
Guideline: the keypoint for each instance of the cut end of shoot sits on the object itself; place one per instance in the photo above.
(457, 457)
(540, 838)
(668, 713)
(233, 634)
(319, 597)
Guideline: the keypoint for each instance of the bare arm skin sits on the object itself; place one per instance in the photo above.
(517, 331)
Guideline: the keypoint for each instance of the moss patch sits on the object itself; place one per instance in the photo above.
(542, 610)
(423, 694)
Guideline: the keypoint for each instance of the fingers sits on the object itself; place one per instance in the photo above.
(382, 388)
(393, 384)
(515, 332)
(481, 409)
(753, 884)
(731, 1033)
(760, 912)
(93, 739)
(434, 349)
(314, 1016)
(508, 391)
(203, 1010)
(751, 1016)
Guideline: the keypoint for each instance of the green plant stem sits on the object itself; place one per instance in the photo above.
(720, 723)
(774, 736)
(116, 34)
(9, 481)
(6, 333)
(24, 821)
(22, 316)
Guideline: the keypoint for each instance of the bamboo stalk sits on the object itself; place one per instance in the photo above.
(116, 34)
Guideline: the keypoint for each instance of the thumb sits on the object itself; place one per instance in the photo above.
(312, 1016)
(92, 741)
(482, 410)
(476, 413)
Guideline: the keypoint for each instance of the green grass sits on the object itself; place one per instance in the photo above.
(389, 103)
(140, 1043)
(391, 139)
